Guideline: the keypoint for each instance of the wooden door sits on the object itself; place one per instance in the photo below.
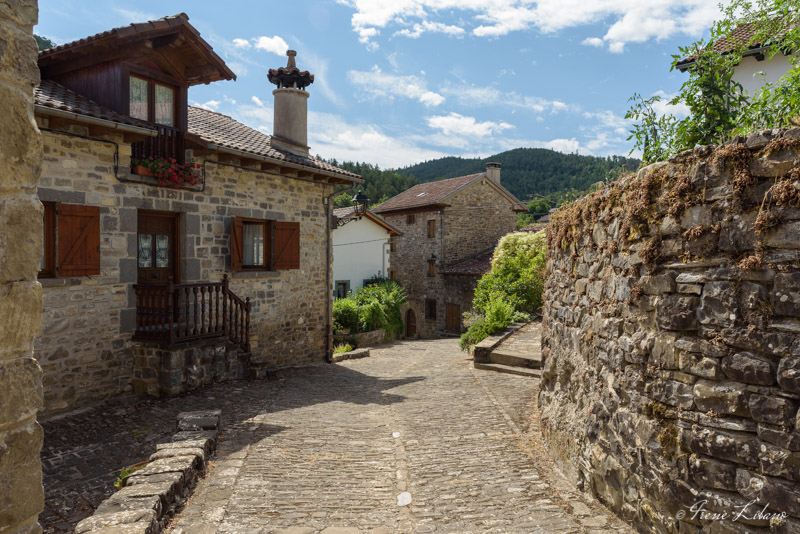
(453, 318)
(411, 324)
(158, 247)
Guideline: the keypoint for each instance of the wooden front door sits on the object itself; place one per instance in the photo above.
(453, 318)
(411, 324)
(158, 247)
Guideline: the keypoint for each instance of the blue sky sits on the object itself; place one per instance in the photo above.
(404, 81)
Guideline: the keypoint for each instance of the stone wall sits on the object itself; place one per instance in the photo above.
(474, 220)
(21, 493)
(85, 347)
(671, 340)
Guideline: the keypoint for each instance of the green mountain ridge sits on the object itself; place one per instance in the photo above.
(530, 172)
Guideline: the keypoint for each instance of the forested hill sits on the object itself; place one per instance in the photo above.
(530, 171)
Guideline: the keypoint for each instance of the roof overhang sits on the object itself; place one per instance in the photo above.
(377, 220)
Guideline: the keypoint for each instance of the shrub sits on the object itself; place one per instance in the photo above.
(372, 307)
(499, 314)
(371, 316)
(338, 349)
(345, 313)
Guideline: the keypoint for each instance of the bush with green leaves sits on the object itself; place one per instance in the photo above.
(342, 348)
(371, 307)
(499, 314)
(718, 106)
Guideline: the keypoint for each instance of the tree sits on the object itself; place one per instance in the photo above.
(43, 42)
(718, 106)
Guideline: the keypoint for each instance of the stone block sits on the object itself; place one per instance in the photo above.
(21, 238)
(121, 502)
(721, 397)
(128, 270)
(20, 389)
(738, 235)
(749, 368)
(206, 444)
(199, 420)
(21, 150)
(21, 491)
(723, 445)
(778, 436)
(677, 313)
(112, 521)
(786, 294)
(772, 410)
(204, 435)
(699, 365)
(663, 354)
(718, 305)
(780, 495)
(784, 236)
(670, 392)
(658, 284)
(179, 451)
(773, 165)
(711, 473)
(789, 374)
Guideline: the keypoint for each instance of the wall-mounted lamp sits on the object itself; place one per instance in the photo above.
(360, 202)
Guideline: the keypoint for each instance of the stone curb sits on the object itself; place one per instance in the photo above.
(481, 351)
(152, 494)
(352, 355)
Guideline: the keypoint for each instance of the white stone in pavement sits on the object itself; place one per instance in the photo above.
(404, 499)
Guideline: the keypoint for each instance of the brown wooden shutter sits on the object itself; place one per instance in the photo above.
(287, 245)
(78, 240)
(236, 244)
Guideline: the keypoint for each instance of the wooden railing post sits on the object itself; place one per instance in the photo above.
(225, 325)
(247, 325)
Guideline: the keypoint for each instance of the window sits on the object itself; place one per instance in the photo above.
(47, 267)
(430, 308)
(262, 245)
(432, 228)
(71, 240)
(393, 244)
(151, 101)
(392, 274)
(342, 288)
(410, 218)
(431, 267)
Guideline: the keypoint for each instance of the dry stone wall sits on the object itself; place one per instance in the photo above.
(21, 492)
(671, 340)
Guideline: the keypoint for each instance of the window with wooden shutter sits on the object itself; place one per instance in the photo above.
(236, 243)
(47, 267)
(286, 245)
(78, 240)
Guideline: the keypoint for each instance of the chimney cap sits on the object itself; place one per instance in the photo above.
(493, 164)
(290, 75)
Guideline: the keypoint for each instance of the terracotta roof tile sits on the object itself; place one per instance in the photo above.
(475, 266)
(222, 130)
(53, 95)
(427, 194)
(742, 35)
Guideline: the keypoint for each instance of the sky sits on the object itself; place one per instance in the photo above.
(399, 82)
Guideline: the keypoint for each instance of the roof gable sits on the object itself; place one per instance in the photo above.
(174, 44)
(345, 213)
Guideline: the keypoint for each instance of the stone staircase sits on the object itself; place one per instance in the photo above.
(516, 351)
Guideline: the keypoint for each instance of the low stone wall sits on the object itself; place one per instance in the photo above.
(152, 494)
(351, 355)
(370, 339)
(671, 340)
(168, 372)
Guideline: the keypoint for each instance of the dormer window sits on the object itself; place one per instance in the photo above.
(151, 101)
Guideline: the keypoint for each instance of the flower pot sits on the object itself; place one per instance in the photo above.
(141, 170)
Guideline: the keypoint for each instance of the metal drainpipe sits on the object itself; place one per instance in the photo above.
(328, 273)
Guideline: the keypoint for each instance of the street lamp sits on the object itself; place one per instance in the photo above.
(360, 201)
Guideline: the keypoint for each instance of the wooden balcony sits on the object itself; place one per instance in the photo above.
(167, 144)
(170, 314)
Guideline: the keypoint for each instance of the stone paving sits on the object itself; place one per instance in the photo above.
(343, 448)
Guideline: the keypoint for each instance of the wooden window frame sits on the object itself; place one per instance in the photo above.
(393, 244)
(281, 246)
(151, 99)
(431, 268)
(49, 241)
(411, 218)
(267, 234)
(430, 309)
(392, 274)
(431, 228)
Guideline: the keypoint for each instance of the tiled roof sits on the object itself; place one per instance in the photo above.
(222, 130)
(342, 213)
(53, 95)
(475, 266)
(427, 194)
(742, 35)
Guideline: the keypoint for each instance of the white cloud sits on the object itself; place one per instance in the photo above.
(241, 43)
(630, 21)
(593, 41)
(663, 107)
(257, 101)
(212, 105)
(133, 15)
(456, 124)
(476, 96)
(380, 84)
(431, 27)
(274, 44)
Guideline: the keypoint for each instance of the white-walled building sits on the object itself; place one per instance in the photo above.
(360, 250)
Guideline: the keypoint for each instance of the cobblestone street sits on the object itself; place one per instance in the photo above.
(339, 449)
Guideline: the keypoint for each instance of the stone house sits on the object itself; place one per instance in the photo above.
(221, 274)
(360, 249)
(450, 229)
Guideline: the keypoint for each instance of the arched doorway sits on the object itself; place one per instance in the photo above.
(411, 324)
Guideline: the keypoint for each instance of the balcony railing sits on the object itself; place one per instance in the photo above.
(167, 144)
(174, 313)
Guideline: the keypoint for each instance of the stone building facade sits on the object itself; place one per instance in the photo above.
(671, 340)
(88, 346)
(21, 492)
(450, 229)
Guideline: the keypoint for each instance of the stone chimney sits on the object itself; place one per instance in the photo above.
(493, 171)
(290, 120)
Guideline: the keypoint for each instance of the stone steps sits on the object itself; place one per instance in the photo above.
(516, 359)
(509, 369)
